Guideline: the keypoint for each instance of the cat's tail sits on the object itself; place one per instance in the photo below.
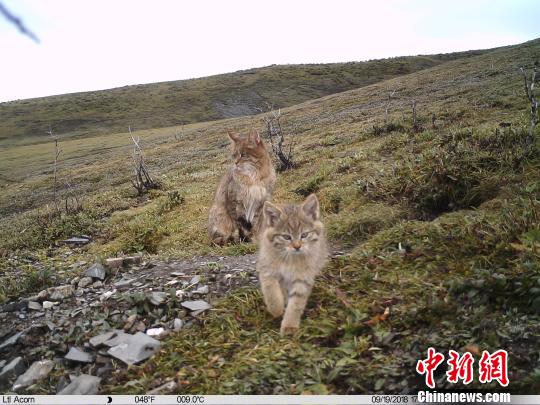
(221, 229)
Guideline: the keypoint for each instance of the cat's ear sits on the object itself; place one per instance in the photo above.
(271, 213)
(254, 135)
(310, 207)
(235, 136)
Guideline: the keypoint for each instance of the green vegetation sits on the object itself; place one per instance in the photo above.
(442, 226)
(197, 100)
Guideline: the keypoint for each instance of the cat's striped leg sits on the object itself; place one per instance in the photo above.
(298, 295)
(273, 297)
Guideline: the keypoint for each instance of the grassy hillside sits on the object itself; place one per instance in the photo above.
(197, 100)
(442, 226)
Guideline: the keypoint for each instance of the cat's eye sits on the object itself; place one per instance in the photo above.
(286, 237)
(304, 235)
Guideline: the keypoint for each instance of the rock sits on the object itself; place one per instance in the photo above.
(106, 295)
(84, 282)
(43, 295)
(197, 305)
(195, 280)
(135, 349)
(75, 281)
(14, 306)
(179, 294)
(114, 262)
(49, 304)
(156, 332)
(140, 326)
(165, 388)
(36, 306)
(37, 371)
(102, 338)
(119, 337)
(78, 355)
(124, 282)
(76, 241)
(130, 322)
(84, 384)
(202, 290)
(133, 259)
(11, 341)
(96, 271)
(61, 292)
(178, 324)
(157, 297)
(13, 369)
(97, 284)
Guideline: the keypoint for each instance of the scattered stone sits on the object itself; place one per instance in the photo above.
(156, 332)
(165, 388)
(106, 295)
(75, 281)
(179, 294)
(195, 280)
(130, 322)
(96, 271)
(84, 282)
(78, 355)
(114, 262)
(140, 326)
(11, 341)
(37, 371)
(84, 384)
(61, 292)
(178, 324)
(14, 306)
(43, 295)
(119, 337)
(36, 306)
(76, 241)
(124, 282)
(13, 369)
(133, 259)
(204, 289)
(49, 304)
(157, 297)
(101, 339)
(135, 349)
(197, 305)
(97, 284)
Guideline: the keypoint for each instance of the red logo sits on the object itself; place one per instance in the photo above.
(490, 367)
(494, 367)
(429, 365)
(460, 367)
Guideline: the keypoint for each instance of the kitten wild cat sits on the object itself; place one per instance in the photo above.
(235, 214)
(292, 251)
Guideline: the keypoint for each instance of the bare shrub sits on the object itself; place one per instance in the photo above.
(531, 96)
(282, 148)
(142, 181)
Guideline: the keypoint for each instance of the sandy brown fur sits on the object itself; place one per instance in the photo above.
(235, 214)
(287, 267)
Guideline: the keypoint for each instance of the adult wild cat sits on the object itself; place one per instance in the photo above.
(293, 250)
(236, 212)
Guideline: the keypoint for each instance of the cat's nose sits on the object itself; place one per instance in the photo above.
(296, 244)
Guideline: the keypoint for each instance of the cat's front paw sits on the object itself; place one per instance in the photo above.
(289, 330)
(275, 309)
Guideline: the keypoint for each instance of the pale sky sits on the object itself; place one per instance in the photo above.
(99, 44)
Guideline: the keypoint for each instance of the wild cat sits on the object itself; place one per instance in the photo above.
(236, 212)
(292, 251)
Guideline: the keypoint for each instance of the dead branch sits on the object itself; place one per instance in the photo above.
(531, 96)
(12, 18)
(57, 152)
(275, 135)
(142, 181)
